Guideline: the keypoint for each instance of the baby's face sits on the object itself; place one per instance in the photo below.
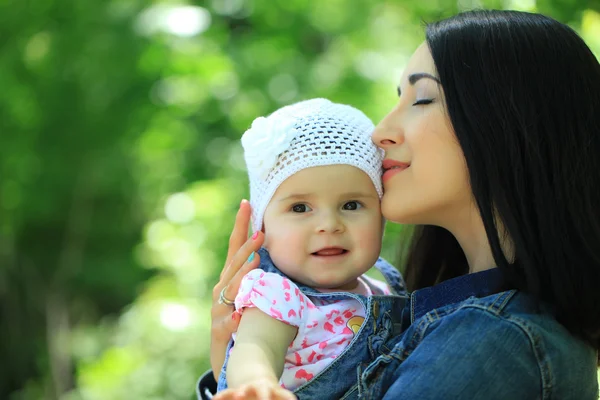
(323, 226)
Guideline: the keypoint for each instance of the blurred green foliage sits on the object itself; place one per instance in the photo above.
(121, 171)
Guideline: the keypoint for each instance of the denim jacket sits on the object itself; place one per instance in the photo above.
(465, 339)
(382, 323)
(467, 342)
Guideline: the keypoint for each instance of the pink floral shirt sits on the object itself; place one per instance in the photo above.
(325, 327)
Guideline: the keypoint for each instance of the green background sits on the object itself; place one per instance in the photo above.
(121, 168)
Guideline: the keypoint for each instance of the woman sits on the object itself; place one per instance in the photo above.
(493, 151)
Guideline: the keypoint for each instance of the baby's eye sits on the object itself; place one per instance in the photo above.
(300, 208)
(352, 205)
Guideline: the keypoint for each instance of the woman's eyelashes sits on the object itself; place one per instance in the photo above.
(422, 96)
(422, 102)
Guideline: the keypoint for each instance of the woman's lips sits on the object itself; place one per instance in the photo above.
(391, 168)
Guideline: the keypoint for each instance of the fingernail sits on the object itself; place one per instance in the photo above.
(254, 235)
(242, 202)
(251, 257)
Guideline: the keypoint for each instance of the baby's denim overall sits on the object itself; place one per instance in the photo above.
(382, 322)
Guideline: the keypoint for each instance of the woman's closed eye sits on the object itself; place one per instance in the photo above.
(422, 102)
(352, 205)
(300, 208)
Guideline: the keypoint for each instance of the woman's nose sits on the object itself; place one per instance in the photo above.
(389, 131)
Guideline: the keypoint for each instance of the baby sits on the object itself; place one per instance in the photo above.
(309, 315)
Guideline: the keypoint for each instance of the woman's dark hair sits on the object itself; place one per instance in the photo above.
(523, 96)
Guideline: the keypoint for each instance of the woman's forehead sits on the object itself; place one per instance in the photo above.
(420, 61)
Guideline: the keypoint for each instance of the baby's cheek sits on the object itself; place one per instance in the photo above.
(372, 226)
(281, 238)
(284, 247)
(275, 236)
(370, 236)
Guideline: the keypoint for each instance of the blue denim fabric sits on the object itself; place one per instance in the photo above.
(467, 341)
(382, 323)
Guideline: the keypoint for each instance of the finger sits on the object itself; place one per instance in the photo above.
(239, 261)
(284, 394)
(234, 283)
(246, 392)
(239, 258)
(228, 394)
(239, 234)
(238, 395)
(258, 392)
(228, 325)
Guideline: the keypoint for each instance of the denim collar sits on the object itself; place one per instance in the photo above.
(455, 290)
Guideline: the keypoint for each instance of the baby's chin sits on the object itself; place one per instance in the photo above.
(328, 285)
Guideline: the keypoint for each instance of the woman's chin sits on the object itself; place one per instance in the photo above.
(403, 220)
(395, 211)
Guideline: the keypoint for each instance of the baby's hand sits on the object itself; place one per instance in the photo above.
(258, 390)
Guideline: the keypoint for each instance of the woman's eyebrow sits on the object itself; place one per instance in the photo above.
(414, 78)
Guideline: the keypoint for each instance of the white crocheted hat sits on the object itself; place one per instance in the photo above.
(307, 134)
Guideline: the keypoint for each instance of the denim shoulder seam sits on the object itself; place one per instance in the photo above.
(501, 300)
(413, 341)
(533, 339)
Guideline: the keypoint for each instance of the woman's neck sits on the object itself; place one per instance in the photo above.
(472, 238)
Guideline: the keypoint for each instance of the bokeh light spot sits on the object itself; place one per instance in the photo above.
(180, 208)
(175, 317)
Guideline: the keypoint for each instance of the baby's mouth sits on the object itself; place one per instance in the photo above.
(330, 251)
